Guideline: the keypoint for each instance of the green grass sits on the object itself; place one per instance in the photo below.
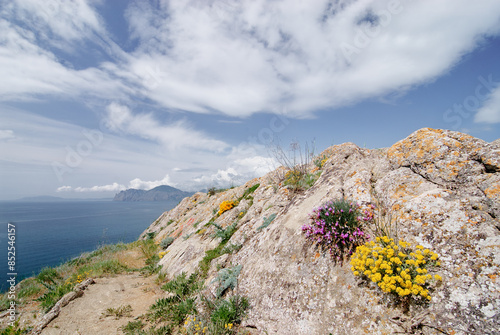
(29, 288)
(133, 328)
(14, 330)
(119, 312)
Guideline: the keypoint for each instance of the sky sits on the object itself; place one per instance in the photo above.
(100, 96)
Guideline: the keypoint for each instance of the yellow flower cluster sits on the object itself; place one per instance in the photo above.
(323, 161)
(225, 206)
(228, 326)
(162, 253)
(193, 327)
(293, 177)
(396, 268)
(78, 279)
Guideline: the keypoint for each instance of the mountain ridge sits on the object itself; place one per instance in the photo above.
(159, 193)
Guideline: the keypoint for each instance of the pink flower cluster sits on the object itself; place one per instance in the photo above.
(336, 227)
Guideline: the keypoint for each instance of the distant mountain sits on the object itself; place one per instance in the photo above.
(159, 193)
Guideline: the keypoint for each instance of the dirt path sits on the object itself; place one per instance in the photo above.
(85, 315)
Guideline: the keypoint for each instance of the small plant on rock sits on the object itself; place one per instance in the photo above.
(227, 278)
(397, 268)
(166, 242)
(225, 234)
(336, 227)
(225, 206)
(267, 221)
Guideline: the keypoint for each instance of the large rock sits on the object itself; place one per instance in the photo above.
(437, 188)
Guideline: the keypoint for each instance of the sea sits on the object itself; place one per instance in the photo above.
(47, 234)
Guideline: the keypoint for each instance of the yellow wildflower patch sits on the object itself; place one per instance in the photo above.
(225, 206)
(403, 272)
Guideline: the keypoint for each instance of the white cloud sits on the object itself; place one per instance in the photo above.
(490, 111)
(147, 185)
(69, 20)
(116, 187)
(6, 134)
(64, 188)
(238, 172)
(175, 136)
(251, 56)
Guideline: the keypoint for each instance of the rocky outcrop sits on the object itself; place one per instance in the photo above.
(437, 188)
(159, 193)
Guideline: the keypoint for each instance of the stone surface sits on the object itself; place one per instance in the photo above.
(437, 188)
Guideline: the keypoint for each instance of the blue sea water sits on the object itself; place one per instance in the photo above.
(50, 233)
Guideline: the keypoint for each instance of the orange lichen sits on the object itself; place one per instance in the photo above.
(493, 191)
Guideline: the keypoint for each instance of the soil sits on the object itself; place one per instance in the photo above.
(86, 315)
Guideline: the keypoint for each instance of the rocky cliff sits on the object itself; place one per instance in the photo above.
(436, 188)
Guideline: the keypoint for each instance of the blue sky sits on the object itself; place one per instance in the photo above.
(100, 96)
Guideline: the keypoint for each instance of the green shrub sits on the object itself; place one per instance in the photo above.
(50, 298)
(299, 179)
(225, 234)
(48, 277)
(176, 308)
(150, 235)
(221, 316)
(227, 278)
(230, 311)
(166, 242)
(182, 286)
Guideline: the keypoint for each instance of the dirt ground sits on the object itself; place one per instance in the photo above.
(85, 315)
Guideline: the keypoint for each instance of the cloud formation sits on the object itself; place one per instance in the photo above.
(250, 56)
(6, 134)
(490, 111)
(241, 58)
(136, 183)
(175, 136)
